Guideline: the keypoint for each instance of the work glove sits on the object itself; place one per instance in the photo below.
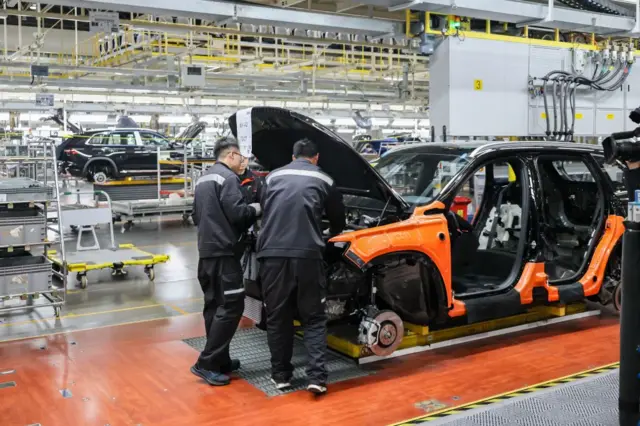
(257, 208)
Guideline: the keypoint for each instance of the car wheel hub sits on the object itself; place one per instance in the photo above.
(381, 332)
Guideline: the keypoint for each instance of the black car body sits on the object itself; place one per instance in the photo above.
(104, 154)
(450, 233)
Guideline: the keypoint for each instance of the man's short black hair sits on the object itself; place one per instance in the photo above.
(223, 145)
(305, 148)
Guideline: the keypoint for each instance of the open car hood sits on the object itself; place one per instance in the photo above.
(275, 130)
(58, 118)
(190, 133)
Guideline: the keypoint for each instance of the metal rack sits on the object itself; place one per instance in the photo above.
(127, 211)
(25, 219)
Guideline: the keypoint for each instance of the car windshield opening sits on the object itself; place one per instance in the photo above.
(420, 177)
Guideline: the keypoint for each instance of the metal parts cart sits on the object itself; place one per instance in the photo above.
(85, 217)
(26, 273)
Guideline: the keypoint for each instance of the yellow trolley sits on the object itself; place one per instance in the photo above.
(83, 218)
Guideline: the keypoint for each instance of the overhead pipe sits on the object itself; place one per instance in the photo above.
(247, 13)
(210, 90)
(177, 28)
(293, 78)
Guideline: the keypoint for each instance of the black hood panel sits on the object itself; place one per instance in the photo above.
(190, 133)
(274, 132)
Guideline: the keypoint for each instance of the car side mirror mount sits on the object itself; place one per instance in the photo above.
(423, 210)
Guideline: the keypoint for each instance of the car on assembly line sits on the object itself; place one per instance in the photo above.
(99, 155)
(445, 234)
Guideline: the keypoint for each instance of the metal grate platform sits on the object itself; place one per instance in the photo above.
(587, 402)
(250, 346)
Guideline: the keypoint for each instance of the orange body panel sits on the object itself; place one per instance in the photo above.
(459, 309)
(592, 280)
(419, 233)
(533, 276)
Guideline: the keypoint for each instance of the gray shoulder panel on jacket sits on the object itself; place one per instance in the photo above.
(214, 177)
(294, 172)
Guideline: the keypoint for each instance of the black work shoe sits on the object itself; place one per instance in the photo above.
(211, 377)
(281, 384)
(317, 389)
(234, 366)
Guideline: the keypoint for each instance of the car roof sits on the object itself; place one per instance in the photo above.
(121, 129)
(479, 148)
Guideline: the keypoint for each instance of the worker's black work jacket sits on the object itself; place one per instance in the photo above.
(220, 212)
(252, 186)
(294, 199)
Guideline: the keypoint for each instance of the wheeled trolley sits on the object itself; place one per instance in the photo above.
(125, 255)
(84, 218)
(128, 211)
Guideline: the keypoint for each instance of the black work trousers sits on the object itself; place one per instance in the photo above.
(222, 285)
(288, 283)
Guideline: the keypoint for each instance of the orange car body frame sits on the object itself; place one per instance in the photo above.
(426, 234)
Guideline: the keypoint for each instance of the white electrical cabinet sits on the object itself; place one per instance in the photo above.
(192, 76)
(483, 88)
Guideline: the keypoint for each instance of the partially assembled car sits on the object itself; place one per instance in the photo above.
(444, 234)
(100, 155)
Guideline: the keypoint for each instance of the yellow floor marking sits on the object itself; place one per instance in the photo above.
(57, 333)
(177, 309)
(111, 311)
(510, 393)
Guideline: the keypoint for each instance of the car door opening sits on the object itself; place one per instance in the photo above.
(573, 216)
(487, 247)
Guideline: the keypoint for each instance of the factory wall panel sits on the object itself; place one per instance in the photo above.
(609, 121)
(484, 85)
(502, 104)
(632, 95)
(439, 88)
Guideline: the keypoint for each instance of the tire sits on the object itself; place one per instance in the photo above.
(617, 298)
(151, 273)
(100, 171)
(100, 177)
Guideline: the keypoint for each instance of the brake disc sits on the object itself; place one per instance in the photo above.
(386, 331)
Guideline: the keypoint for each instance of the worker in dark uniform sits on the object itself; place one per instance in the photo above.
(290, 251)
(252, 186)
(222, 215)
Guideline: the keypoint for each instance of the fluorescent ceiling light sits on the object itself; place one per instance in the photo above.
(174, 119)
(89, 118)
(403, 122)
(141, 118)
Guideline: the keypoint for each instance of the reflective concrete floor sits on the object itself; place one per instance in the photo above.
(133, 298)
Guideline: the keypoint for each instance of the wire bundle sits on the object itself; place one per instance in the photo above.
(607, 77)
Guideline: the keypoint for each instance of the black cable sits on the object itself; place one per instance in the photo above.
(573, 110)
(546, 106)
(555, 119)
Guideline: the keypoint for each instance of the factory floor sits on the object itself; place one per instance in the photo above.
(117, 357)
